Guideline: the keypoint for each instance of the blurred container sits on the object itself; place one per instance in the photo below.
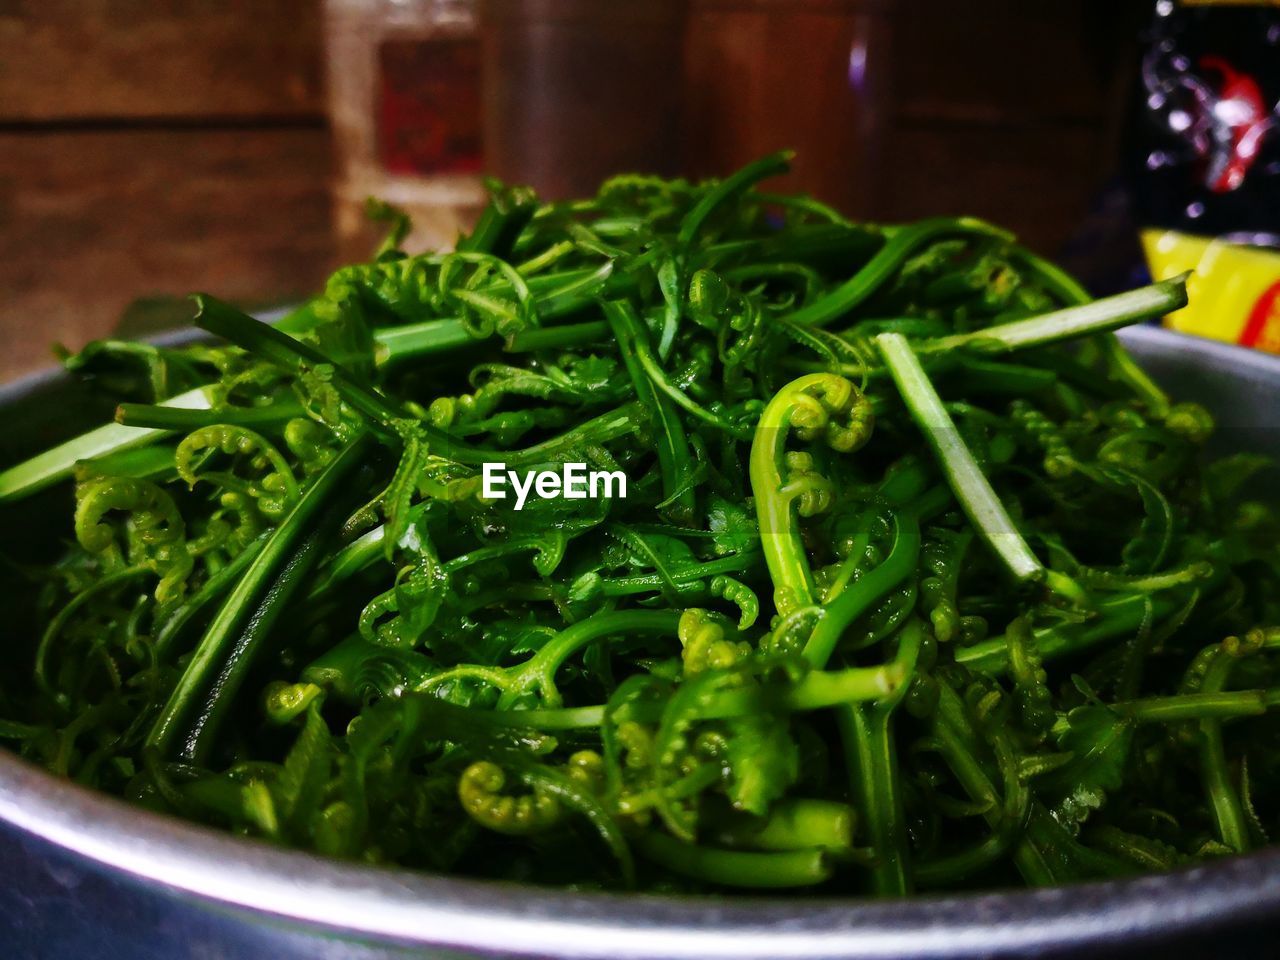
(764, 75)
(578, 90)
(404, 100)
(1204, 163)
(1204, 155)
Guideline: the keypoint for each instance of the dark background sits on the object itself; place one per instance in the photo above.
(148, 149)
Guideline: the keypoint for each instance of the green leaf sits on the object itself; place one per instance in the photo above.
(300, 789)
(762, 760)
(1224, 478)
(1099, 740)
(733, 525)
(1146, 551)
(656, 550)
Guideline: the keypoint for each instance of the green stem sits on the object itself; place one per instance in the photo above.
(164, 417)
(872, 760)
(598, 430)
(1115, 617)
(281, 349)
(736, 868)
(203, 694)
(64, 615)
(354, 557)
(1007, 816)
(552, 718)
(817, 690)
(904, 242)
(659, 379)
(674, 459)
(58, 463)
(967, 481)
(961, 747)
(858, 599)
(555, 295)
(1224, 801)
(265, 341)
(214, 587)
(1122, 366)
(726, 190)
(550, 338)
(794, 825)
(140, 463)
(779, 534)
(394, 344)
(644, 582)
(391, 344)
(507, 213)
(1208, 705)
(866, 731)
(540, 669)
(1083, 320)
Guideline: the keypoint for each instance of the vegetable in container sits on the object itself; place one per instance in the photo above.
(920, 583)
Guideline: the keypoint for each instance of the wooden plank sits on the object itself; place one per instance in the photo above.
(1010, 60)
(765, 77)
(1036, 180)
(93, 59)
(90, 221)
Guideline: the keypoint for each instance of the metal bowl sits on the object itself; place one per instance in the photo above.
(84, 875)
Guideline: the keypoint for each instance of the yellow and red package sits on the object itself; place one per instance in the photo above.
(1233, 291)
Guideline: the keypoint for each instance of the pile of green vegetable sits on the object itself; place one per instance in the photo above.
(920, 582)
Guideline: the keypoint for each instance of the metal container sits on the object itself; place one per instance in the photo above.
(86, 876)
(577, 90)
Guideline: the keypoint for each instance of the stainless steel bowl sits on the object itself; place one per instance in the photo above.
(86, 876)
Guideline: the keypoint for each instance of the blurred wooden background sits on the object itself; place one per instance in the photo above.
(150, 149)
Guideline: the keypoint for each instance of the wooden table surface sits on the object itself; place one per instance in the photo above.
(148, 150)
(151, 149)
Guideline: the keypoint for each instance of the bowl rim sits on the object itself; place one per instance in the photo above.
(431, 910)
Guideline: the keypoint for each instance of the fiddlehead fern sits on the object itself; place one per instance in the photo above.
(154, 532)
(481, 793)
(275, 488)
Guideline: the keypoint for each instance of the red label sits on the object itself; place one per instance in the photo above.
(1262, 329)
(429, 107)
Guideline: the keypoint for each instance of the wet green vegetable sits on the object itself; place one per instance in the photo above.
(919, 582)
